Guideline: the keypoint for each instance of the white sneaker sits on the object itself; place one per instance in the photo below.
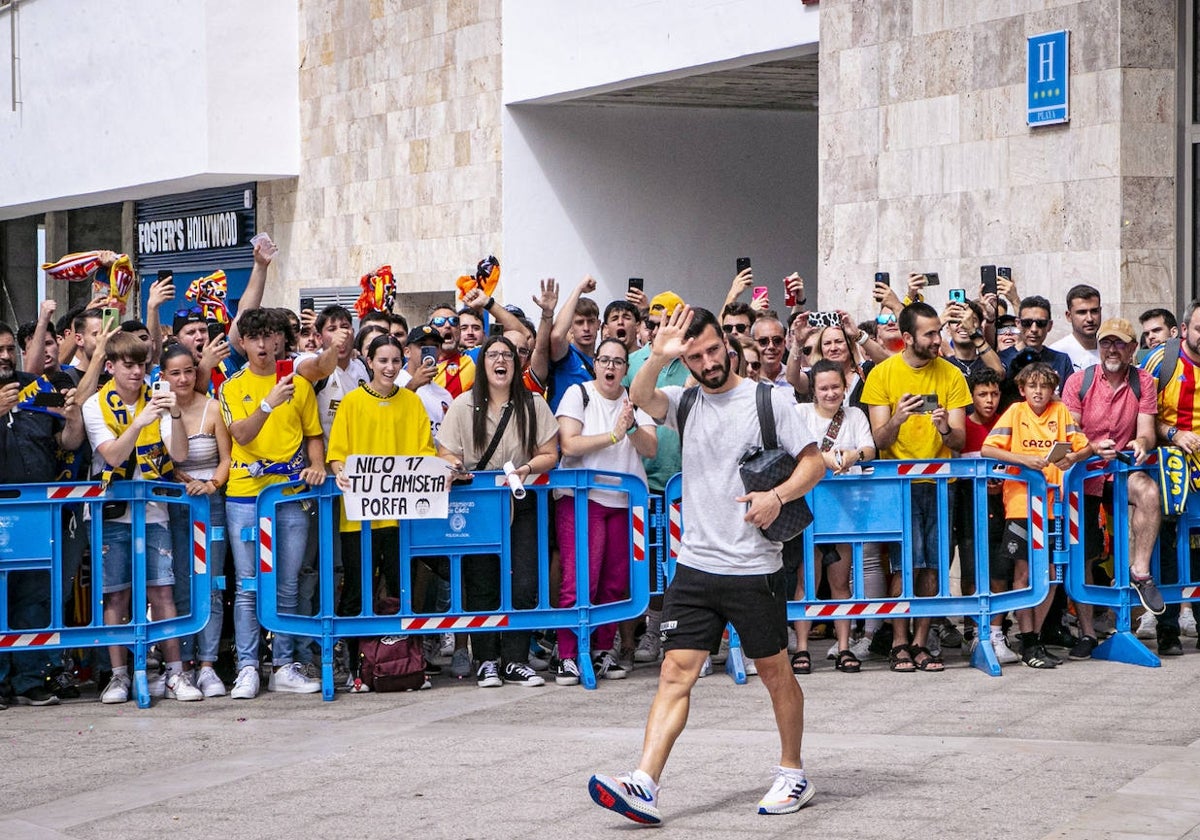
(861, 648)
(648, 648)
(447, 645)
(157, 685)
(833, 652)
(209, 683)
(292, 679)
(751, 666)
(117, 690)
(723, 652)
(245, 687)
(706, 668)
(1004, 654)
(1148, 626)
(632, 795)
(788, 794)
(793, 643)
(179, 687)
(1187, 623)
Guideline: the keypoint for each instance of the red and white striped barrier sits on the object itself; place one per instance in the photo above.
(540, 478)
(1073, 516)
(1189, 592)
(639, 534)
(839, 610)
(674, 528)
(23, 640)
(465, 622)
(199, 548)
(81, 491)
(1037, 522)
(935, 468)
(266, 554)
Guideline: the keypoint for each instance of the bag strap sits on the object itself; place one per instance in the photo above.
(1089, 376)
(1170, 358)
(685, 408)
(766, 415)
(584, 393)
(831, 433)
(1131, 376)
(500, 427)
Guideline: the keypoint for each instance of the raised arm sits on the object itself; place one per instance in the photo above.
(547, 301)
(264, 251)
(566, 316)
(669, 344)
(35, 358)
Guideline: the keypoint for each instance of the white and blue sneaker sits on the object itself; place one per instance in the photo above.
(788, 794)
(632, 795)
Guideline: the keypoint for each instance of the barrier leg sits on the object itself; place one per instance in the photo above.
(1124, 646)
(141, 685)
(984, 655)
(735, 662)
(327, 686)
(587, 674)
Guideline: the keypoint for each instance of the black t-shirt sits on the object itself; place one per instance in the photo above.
(28, 452)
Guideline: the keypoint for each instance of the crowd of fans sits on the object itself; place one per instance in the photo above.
(276, 396)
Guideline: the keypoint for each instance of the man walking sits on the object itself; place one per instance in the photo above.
(727, 571)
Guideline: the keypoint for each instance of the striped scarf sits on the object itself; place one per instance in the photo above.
(150, 453)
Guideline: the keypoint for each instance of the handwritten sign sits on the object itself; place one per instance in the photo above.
(397, 487)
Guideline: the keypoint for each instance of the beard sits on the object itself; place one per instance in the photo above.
(714, 378)
(926, 354)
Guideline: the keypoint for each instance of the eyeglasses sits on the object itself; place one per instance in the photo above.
(443, 320)
(1114, 343)
(753, 365)
(1040, 323)
(523, 351)
(732, 328)
(610, 361)
(770, 340)
(807, 350)
(889, 318)
(653, 325)
(498, 356)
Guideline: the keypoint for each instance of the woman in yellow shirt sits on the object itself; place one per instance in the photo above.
(376, 418)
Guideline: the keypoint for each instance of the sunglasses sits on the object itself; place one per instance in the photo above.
(1040, 323)
(653, 325)
(1008, 331)
(1114, 342)
(732, 328)
(443, 320)
(191, 310)
(770, 340)
(885, 319)
(807, 350)
(753, 365)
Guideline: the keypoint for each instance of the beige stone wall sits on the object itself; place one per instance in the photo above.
(927, 164)
(400, 135)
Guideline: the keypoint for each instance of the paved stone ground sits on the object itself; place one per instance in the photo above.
(1091, 750)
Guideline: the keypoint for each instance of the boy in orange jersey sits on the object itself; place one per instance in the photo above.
(1025, 435)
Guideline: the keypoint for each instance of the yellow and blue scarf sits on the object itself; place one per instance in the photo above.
(149, 452)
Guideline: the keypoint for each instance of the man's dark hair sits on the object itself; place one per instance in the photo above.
(984, 376)
(281, 320)
(447, 306)
(374, 315)
(5, 329)
(26, 331)
(907, 321)
(1081, 291)
(255, 323)
(586, 308)
(1034, 302)
(622, 306)
(702, 318)
(1165, 314)
(67, 321)
(128, 348)
(132, 325)
(395, 318)
(333, 312)
(466, 310)
(738, 308)
(79, 322)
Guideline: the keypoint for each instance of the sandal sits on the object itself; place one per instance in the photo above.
(801, 662)
(901, 659)
(926, 661)
(847, 662)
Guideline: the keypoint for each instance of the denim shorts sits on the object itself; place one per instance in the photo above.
(117, 563)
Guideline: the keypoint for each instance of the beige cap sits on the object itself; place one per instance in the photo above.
(1116, 328)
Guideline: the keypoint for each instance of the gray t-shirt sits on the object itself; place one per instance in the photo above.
(720, 428)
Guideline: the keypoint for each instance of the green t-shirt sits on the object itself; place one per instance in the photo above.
(668, 460)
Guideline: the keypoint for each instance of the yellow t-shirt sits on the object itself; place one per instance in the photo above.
(1021, 431)
(281, 437)
(367, 423)
(892, 378)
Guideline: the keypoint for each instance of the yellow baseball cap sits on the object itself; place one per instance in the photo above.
(666, 301)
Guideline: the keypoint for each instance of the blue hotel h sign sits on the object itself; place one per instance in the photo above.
(1046, 80)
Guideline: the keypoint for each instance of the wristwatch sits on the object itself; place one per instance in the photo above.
(1171, 432)
(265, 407)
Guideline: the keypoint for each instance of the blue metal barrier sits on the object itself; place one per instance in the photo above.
(876, 507)
(1123, 645)
(32, 538)
(478, 525)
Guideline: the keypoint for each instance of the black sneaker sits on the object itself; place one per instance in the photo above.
(1148, 593)
(1168, 645)
(432, 669)
(519, 673)
(1083, 648)
(37, 696)
(1058, 636)
(1035, 657)
(63, 684)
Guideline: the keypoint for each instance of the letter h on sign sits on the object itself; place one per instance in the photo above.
(1047, 82)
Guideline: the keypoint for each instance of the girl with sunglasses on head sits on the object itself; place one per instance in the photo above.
(500, 410)
(599, 428)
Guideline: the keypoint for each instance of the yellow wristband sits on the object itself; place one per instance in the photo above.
(613, 436)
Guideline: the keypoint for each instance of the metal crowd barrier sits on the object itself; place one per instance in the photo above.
(877, 508)
(478, 524)
(35, 524)
(1123, 645)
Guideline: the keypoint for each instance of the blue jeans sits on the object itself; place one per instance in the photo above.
(205, 645)
(291, 537)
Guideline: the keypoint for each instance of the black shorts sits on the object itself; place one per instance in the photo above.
(698, 605)
(1014, 546)
(1093, 535)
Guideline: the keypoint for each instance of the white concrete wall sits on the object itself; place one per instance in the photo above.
(555, 50)
(671, 195)
(124, 99)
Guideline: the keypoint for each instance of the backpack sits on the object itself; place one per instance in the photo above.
(1169, 360)
(391, 663)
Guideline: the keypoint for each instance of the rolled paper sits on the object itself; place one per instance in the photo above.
(514, 480)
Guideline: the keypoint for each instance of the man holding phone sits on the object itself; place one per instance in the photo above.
(904, 429)
(421, 354)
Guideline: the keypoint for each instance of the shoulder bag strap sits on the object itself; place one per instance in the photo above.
(686, 401)
(766, 415)
(831, 433)
(500, 427)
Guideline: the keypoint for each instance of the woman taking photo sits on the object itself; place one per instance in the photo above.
(495, 422)
(599, 429)
(845, 443)
(205, 472)
(376, 418)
